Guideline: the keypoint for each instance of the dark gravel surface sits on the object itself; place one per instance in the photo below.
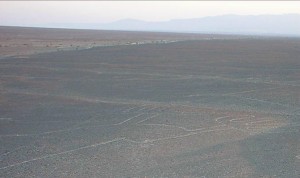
(206, 108)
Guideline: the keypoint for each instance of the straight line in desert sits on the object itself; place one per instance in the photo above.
(9, 152)
(61, 153)
(265, 101)
(186, 135)
(183, 128)
(57, 131)
(151, 117)
(129, 119)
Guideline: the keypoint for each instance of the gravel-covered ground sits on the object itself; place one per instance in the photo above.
(24, 41)
(205, 108)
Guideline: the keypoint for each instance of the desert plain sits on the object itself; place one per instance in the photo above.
(80, 103)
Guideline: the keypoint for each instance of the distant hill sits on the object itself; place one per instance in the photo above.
(288, 24)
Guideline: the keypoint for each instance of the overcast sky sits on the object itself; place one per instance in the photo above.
(32, 13)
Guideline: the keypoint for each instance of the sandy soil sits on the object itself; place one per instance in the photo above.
(21, 41)
(200, 108)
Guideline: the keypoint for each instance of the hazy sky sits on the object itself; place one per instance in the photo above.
(31, 13)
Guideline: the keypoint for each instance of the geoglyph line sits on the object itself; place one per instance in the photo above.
(24, 121)
(262, 121)
(129, 119)
(127, 110)
(71, 129)
(234, 93)
(241, 119)
(264, 101)
(186, 135)
(57, 131)
(103, 143)
(153, 108)
(182, 128)
(263, 126)
(111, 141)
(250, 91)
(219, 118)
(133, 141)
(45, 133)
(172, 126)
(7, 153)
(6, 119)
(148, 118)
(61, 153)
(176, 137)
(141, 109)
(287, 131)
(242, 130)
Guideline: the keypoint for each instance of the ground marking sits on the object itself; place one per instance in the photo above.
(143, 108)
(241, 119)
(61, 153)
(174, 126)
(241, 92)
(265, 101)
(56, 131)
(127, 110)
(129, 119)
(283, 132)
(12, 151)
(186, 135)
(175, 137)
(148, 118)
(152, 108)
(249, 91)
(5, 119)
(70, 129)
(262, 121)
(183, 128)
(219, 118)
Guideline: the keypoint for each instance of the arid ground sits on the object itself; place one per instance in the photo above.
(24, 41)
(223, 107)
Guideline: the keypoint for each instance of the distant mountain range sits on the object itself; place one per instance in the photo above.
(288, 24)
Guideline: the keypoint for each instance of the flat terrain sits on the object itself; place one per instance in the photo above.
(24, 41)
(202, 108)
